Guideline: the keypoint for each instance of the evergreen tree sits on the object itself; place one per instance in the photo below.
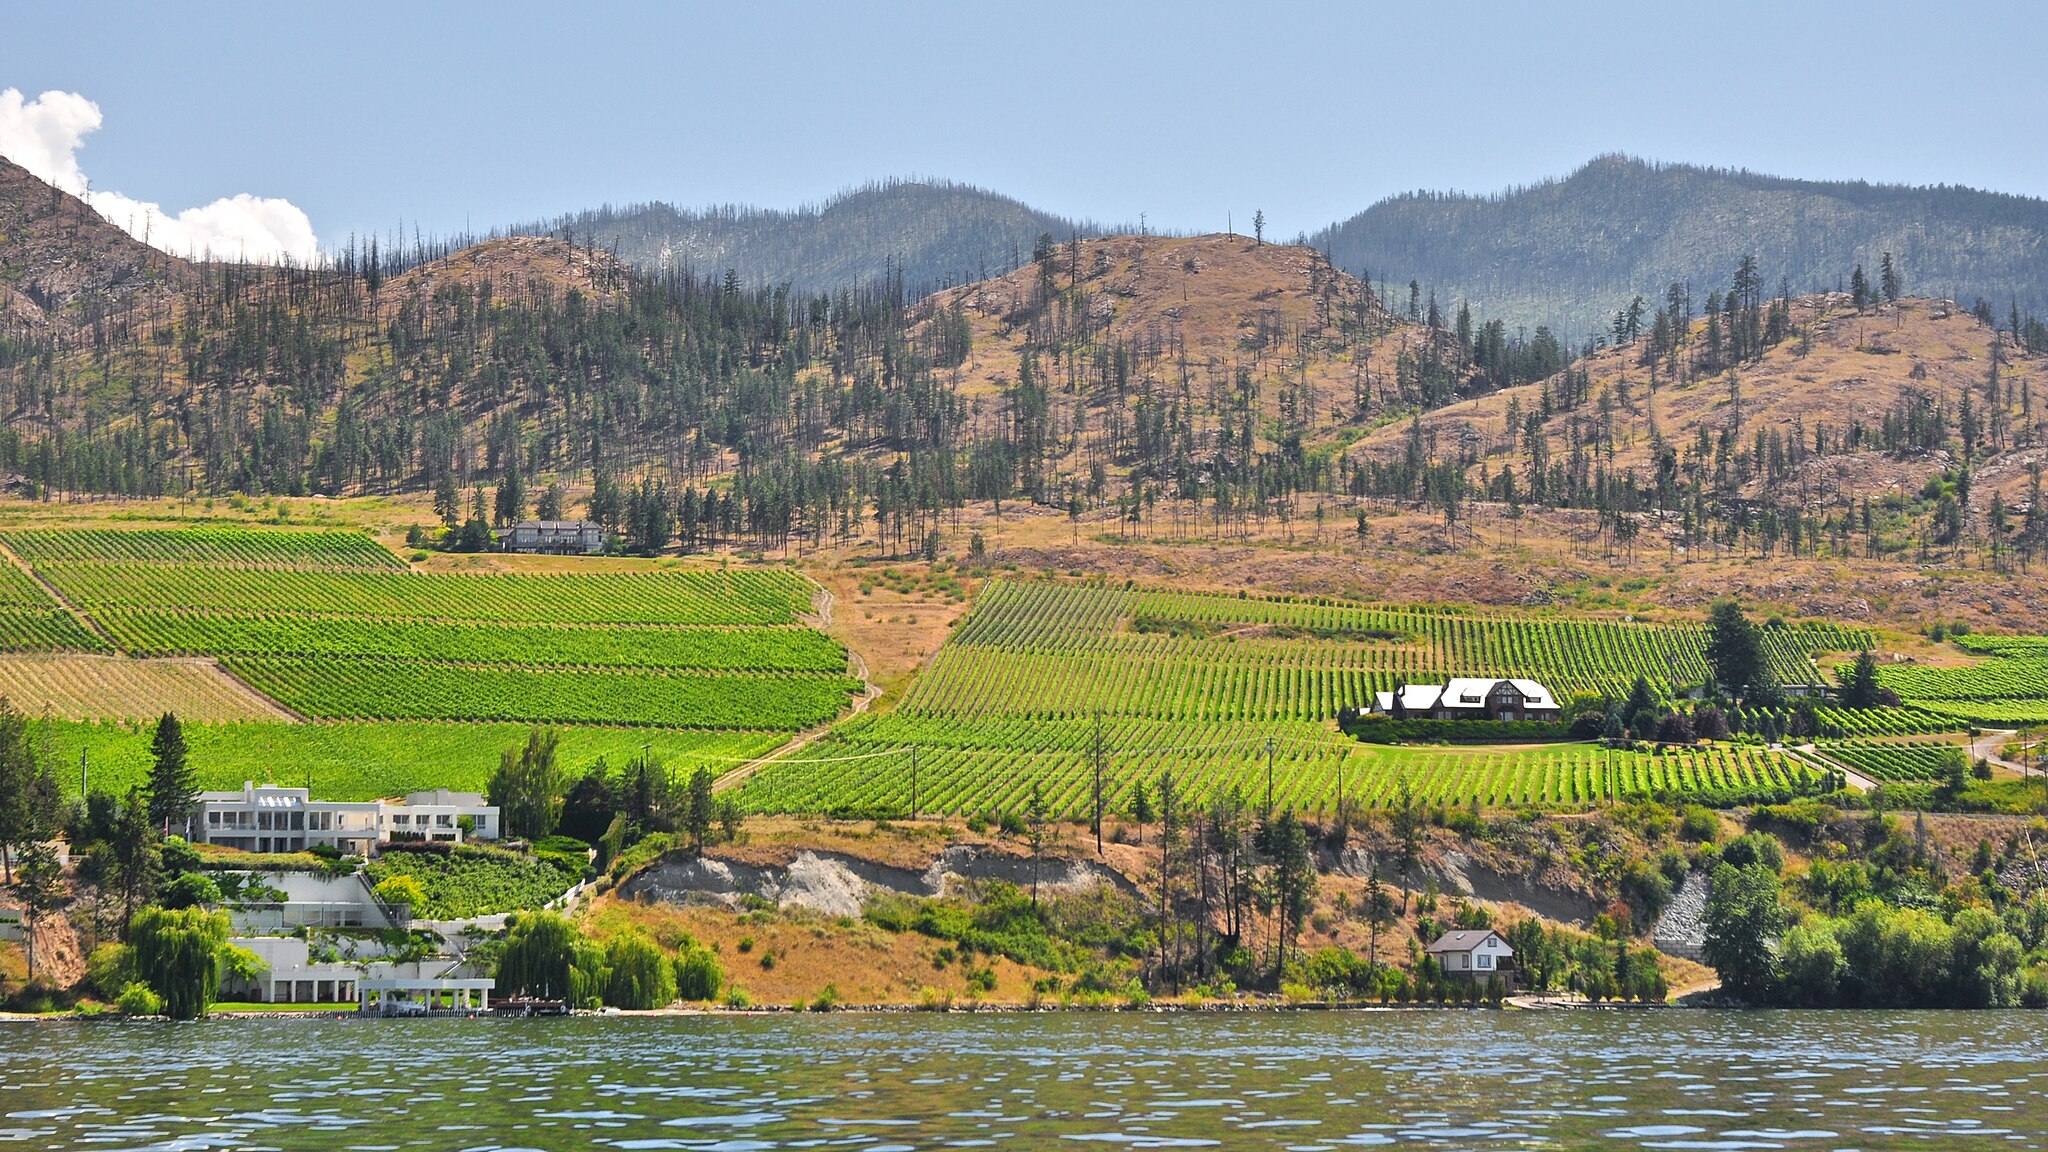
(700, 810)
(1859, 683)
(172, 789)
(1734, 650)
(1859, 289)
(1888, 279)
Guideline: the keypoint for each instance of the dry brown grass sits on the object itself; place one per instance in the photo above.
(781, 957)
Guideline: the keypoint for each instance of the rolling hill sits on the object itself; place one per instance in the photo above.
(1569, 252)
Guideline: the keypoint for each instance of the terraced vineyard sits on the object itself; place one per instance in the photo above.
(335, 627)
(1908, 763)
(1203, 685)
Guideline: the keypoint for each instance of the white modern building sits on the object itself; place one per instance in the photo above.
(275, 819)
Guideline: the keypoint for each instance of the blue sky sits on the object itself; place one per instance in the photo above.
(364, 113)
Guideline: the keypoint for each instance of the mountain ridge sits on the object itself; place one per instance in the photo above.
(1569, 251)
(929, 233)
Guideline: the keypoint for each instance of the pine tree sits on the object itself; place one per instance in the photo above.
(1859, 289)
(172, 790)
(1888, 279)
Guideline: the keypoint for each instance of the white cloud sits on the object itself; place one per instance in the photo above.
(44, 135)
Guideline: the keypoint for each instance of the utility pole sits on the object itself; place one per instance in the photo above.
(83, 791)
(1096, 755)
(913, 781)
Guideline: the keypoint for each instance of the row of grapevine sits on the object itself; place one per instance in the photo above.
(45, 630)
(217, 546)
(406, 689)
(278, 634)
(1897, 761)
(868, 766)
(741, 597)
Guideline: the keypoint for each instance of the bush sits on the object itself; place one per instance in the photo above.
(1755, 848)
(641, 977)
(1699, 825)
(110, 970)
(190, 890)
(401, 889)
(699, 976)
(1375, 729)
(137, 999)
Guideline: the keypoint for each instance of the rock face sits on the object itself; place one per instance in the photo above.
(1682, 929)
(61, 262)
(839, 885)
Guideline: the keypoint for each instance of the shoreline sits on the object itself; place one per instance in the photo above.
(1528, 1004)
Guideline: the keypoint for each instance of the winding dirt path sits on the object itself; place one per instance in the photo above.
(1816, 758)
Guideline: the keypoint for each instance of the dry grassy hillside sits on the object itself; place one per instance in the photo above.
(1189, 313)
(514, 267)
(1840, 368)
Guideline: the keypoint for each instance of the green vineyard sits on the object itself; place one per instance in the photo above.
(868, 767)
(1041, 681)
(777, 649)
(1906, 763)
(363, 761)
(279, 547)
(31, 621)
(740, 598)
(422, 690)
(334, 627)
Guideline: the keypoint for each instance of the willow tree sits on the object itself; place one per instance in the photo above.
(180, 954)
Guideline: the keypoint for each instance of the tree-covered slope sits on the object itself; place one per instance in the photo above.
(931, 233)
(1569, 252)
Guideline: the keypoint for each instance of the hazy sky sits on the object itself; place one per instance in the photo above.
(362, 113)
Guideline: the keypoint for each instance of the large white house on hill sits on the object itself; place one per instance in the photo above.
(274, 819)
(1471, 698)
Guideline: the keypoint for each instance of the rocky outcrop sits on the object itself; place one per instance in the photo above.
(840, 885)
(1682, 930)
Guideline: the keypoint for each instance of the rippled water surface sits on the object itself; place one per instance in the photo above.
(1691, 1080)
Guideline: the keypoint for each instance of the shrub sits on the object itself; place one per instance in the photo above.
(1699, 825)
(699, 976)
(110, 970)
(1755, 848)
(137, 999)
(401, 889)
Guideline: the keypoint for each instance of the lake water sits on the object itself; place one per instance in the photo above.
(1437, 1080)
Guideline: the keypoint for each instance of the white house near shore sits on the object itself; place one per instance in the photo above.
(274, 819)
(1471, 698)
(1475, 953)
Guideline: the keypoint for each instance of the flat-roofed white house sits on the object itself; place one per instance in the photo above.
(1476, 953)
(1472, 698)
(274, 819)
(558, 537)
